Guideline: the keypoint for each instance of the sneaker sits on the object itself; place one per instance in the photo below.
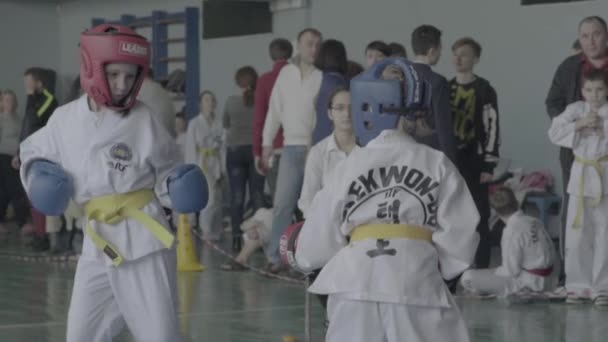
(40, 244)
(274, 268)
(525, 296)
(601, 300)
(558, 295)
(575, 299)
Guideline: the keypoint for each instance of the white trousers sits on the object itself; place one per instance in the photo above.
(487, 282)
(587, 249)
(363, 321)
(210, 218)
(141, 294)
(53, 224)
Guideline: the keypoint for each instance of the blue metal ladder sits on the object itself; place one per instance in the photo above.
(159, 21)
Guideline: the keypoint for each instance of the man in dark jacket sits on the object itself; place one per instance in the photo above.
(41, 103)
(565, 88)
(426, 44)
(476, 128)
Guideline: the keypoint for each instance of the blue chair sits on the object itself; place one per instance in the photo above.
(546, 203)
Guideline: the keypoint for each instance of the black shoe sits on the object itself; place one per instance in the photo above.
(40, 244)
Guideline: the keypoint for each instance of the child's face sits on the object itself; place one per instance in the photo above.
(595, 93)
(373, 56)
(208, 103)
(464, 58)
(340, 111)
(180, 125)
(7, 103)
(31, 85)
(121, 78)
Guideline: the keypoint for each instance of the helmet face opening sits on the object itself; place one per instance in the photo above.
(104, 45)
(119, 97)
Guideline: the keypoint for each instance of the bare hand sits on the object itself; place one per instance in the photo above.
(597, 121)
(16, 162)
(259, 166)
(588, 121)
(485, 177)
(266, 154)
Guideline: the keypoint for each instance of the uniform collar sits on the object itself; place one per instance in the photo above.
(516, 215)
(332, 144)
(389, 136)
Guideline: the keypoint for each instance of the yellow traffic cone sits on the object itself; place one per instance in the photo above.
(187, 284)
(186, 256)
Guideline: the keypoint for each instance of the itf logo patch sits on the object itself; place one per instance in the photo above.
(121, 155)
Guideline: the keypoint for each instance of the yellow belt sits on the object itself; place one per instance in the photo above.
(595, 164)
(389, 231)
(112, 209)
(206, 153)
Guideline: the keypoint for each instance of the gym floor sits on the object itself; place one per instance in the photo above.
(222, 306)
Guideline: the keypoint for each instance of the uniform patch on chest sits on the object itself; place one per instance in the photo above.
(121, 157)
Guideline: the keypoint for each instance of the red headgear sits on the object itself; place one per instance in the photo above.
(106, 44)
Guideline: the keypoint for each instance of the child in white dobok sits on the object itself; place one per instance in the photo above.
(528, 254)
(582, 127)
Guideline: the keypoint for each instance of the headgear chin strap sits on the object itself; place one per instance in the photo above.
(378, 104)
(105, 44)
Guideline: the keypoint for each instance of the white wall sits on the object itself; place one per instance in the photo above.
(76, 16)
(26, 43)
(219, 57)
(522, 46)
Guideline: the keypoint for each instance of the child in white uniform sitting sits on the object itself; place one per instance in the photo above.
(527, 254)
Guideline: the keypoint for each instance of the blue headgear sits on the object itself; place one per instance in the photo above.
(378, 104)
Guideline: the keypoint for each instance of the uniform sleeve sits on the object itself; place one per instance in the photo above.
(313, 175)
(43, 144)
(563, 127)
(492, 132)
(512, 257)
(456, 238)
(164, 158)
(443, 120)
(320, 238)
(273, 117)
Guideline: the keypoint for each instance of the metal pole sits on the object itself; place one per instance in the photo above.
(307, 311)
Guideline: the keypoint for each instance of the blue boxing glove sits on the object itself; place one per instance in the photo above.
(50, 187)
(188, 189)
